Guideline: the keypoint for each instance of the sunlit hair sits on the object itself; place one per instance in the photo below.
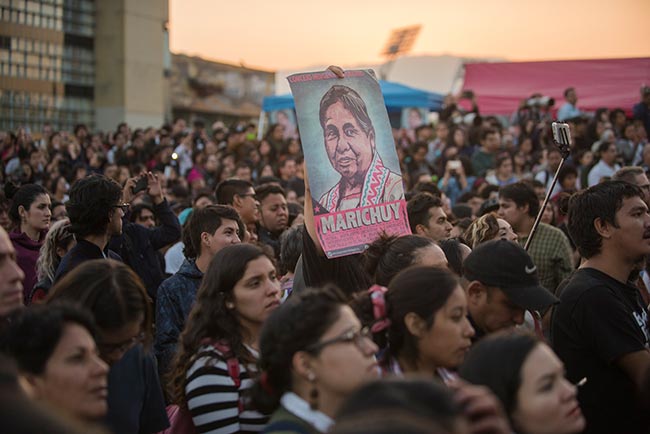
(484, 228)
(48, 261)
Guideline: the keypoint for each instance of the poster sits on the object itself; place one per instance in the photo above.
(413, 117)
(353, 168)
(287, 119)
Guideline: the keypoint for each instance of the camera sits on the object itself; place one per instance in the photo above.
(540, 101)
(454, 167)
(140, 185)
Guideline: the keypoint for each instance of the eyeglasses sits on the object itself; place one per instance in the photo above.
(121, 347)
(123, 206)
(360, 339)
(247, 195)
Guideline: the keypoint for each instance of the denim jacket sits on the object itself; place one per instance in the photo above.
(174, 302)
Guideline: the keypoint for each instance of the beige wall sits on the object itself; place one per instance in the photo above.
(129, 44)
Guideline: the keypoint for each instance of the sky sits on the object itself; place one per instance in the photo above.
(291, 34)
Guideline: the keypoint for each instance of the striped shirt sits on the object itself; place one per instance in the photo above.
(213, 398)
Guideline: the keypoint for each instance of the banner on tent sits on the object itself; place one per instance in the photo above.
(353, 169)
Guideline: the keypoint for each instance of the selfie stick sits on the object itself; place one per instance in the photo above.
(562, 138)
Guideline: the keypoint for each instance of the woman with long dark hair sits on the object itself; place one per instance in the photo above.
(528, 378)
(30, 214)
(420, 320)
(218, 350)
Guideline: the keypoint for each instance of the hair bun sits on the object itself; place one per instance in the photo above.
(375, 252)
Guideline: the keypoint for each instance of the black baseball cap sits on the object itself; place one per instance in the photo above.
(506, 265)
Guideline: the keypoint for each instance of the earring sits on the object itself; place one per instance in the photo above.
(230, 305)
(313, 393)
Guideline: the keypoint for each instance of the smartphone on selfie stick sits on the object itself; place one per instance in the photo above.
(562, 138)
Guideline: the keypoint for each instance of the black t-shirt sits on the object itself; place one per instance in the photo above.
(599, 320)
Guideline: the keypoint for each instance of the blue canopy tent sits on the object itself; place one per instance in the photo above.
(396, 96)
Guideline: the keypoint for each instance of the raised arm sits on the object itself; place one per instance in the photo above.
(310, 223)
(169, 230)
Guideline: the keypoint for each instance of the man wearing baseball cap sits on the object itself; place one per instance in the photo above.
(501, 284)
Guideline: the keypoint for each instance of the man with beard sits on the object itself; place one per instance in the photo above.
(600, 329)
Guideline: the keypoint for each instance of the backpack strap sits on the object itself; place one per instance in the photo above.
(233, 365)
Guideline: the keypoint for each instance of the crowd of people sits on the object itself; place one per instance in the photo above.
(171, 280)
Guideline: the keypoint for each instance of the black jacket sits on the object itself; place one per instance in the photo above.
(83, 251)
(138, 246)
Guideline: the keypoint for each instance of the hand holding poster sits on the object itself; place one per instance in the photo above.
(359, 192)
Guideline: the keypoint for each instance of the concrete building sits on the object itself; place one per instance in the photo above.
(96, 62)
(216, 91)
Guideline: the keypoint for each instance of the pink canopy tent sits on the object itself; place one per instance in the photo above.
(612, 83)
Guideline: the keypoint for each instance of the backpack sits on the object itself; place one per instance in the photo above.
(180, 418)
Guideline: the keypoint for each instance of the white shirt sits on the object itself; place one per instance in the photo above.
(174, 258)
(600, 171)
(445, 375)
(299, 407)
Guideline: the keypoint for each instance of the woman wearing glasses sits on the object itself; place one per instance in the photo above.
(115, 296)
(216, 360)
(314, 353)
